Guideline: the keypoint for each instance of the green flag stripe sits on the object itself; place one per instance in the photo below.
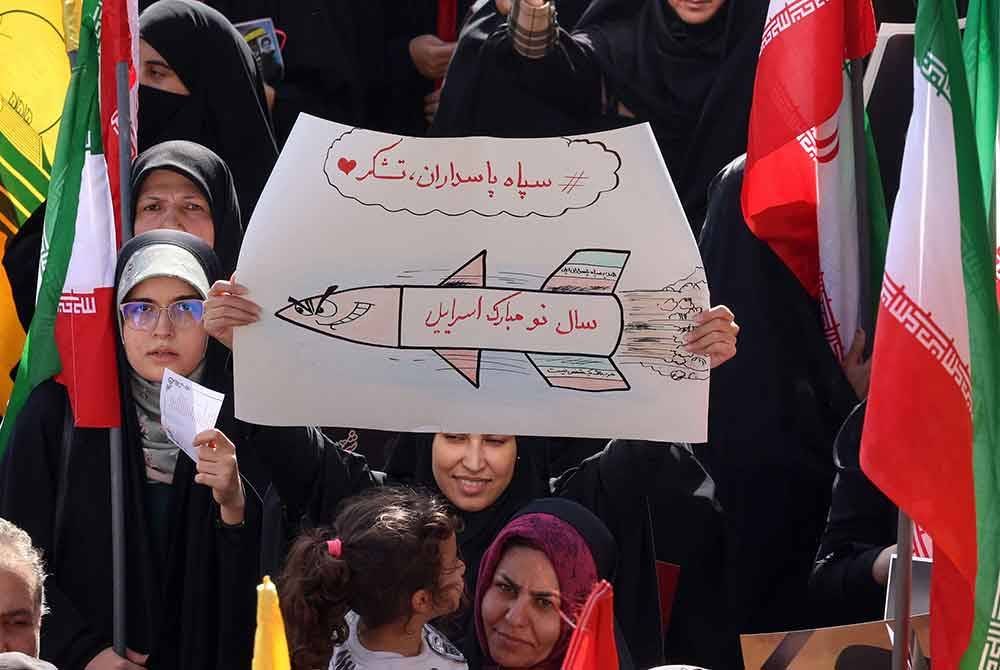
(937, 41)
(982, 64)
(878, 221)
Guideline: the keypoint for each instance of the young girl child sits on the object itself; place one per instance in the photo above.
(359, 596)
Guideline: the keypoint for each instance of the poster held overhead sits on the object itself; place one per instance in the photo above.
(538, 286)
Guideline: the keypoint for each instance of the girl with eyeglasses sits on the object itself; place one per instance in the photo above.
(192, 527)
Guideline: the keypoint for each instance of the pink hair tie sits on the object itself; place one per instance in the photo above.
(334, 546)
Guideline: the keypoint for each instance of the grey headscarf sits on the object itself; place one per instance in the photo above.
(159, 260)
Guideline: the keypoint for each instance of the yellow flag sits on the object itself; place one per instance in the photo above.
(270, 648)
(34, 75)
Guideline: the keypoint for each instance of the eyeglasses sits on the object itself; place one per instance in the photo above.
(145, 315)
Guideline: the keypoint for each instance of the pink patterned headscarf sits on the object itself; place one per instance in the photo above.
(570, 557)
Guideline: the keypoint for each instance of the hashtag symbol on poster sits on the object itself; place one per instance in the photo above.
(572, 181)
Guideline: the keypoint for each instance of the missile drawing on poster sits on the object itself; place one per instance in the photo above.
(535, 287)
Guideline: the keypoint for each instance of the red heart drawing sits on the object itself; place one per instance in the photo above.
(346, 165)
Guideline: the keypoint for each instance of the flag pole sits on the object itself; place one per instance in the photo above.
(115, 442)
(901, 584)
(866, 317)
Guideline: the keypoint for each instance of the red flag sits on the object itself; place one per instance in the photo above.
(798, 188)
(593, 646)
(119, 44)
(85, 327)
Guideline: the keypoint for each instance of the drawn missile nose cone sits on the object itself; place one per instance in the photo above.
(366, 315)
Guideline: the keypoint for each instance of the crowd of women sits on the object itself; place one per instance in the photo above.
(439, 550)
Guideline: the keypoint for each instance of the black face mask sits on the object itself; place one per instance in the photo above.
(166, 116)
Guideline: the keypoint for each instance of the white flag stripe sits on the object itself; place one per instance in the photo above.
(925, 244)
(837, 220)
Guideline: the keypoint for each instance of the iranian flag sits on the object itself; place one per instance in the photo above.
(799, 190)
(72, 336)
(931, 439)
(982, 64)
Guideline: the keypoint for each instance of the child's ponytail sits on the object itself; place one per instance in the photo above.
(315, 588)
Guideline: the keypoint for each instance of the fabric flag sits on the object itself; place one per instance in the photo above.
(982, 64)
(593, 645)
(930, 440)
(799, 190)
(34, 74)
(119, 44)
(270, 648)
(73, 331)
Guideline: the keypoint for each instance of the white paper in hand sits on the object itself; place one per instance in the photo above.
(186, 409)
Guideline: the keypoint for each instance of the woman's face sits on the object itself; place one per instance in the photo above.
(169, 200)
(155, 72)
(178, 346)
(520, 610)
(451, 585)
(696, 11)
(473, 470)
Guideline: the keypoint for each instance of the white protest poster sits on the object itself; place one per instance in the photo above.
(510, 286)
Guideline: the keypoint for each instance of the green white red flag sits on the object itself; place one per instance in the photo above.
(931, 434)
(72, 335)
(799, 190)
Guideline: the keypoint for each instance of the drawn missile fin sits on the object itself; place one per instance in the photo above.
(472, 273)
(580, 373)
(588, 271)
(465, 362)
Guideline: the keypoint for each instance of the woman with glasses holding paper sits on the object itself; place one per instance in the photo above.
(192, 523)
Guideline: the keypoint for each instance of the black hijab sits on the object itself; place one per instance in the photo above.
(226, 110)
(693, 83)
(210, 174)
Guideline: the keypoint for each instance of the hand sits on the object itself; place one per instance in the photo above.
(431, 102)
(217, 469)
(715, 335)
(109, 660)
(431, 55)
(880, 568)
(857, 370)
(269, 95)
(225, 310)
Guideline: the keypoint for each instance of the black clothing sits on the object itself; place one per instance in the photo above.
(327, 47)
(20, 261)
(397, 89)
(694, 84)
(192, 608)
(210, 174)
(226, 110)
(774, 410)
(618, 485)
(861, 524)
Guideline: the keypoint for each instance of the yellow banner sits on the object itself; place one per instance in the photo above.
(34, 75)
